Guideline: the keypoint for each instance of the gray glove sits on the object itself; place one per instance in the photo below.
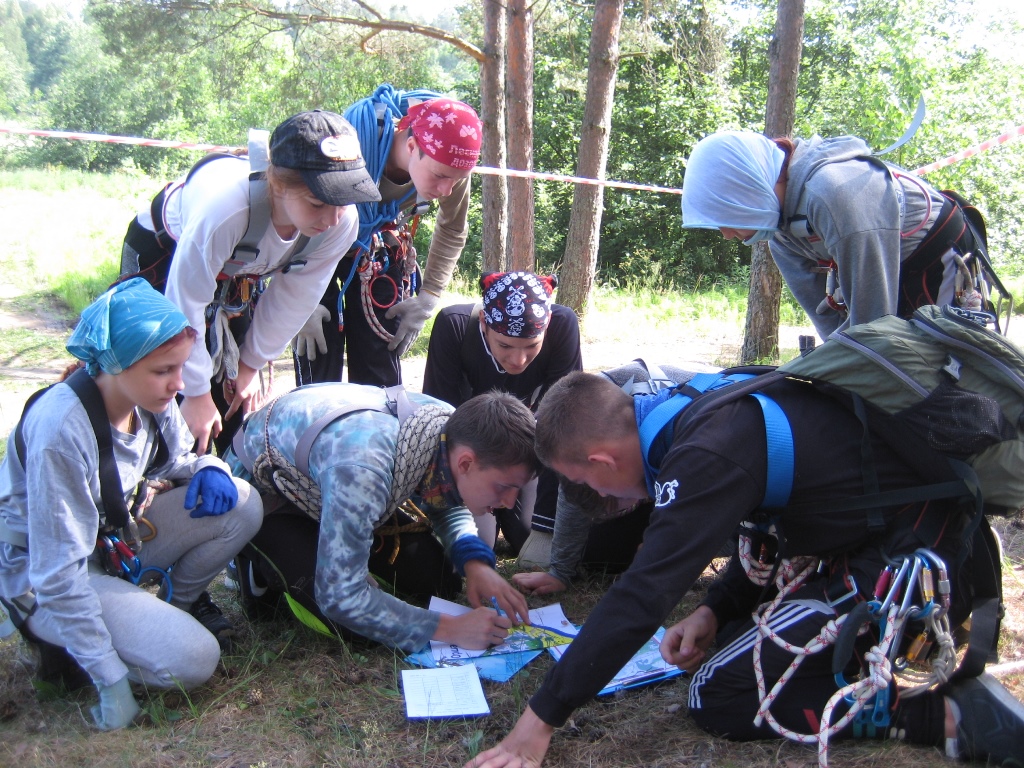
(311, 336)
(117, 707)
(412, 314)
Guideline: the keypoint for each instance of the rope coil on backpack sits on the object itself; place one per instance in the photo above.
(273, 472)
(417, 440)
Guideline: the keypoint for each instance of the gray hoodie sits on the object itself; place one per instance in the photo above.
(845, 206)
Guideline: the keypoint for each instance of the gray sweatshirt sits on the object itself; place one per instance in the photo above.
(54, 498)
(863, 214)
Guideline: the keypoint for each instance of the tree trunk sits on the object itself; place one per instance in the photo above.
(492, 107)
(584, 236)
(761, 332)
(519, 98)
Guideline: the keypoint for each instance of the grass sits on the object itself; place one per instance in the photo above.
(289, 697)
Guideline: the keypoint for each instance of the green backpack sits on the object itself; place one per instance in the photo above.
(951, 388)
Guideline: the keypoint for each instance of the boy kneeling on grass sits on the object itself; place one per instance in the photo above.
(397, 498)
(711, 477)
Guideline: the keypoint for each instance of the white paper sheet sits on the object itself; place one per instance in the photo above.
(443, 692)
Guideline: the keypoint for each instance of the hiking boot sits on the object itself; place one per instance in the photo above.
(991, 727)
(52, 664)
(210, 616)
(55, 666)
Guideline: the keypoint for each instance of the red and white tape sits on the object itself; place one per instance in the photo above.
(971, 151)
(117, 139)
(511, 172)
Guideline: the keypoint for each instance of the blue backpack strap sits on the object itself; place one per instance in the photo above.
(778, 433)
(657, 419)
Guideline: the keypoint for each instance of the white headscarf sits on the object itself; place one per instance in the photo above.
(730, 182)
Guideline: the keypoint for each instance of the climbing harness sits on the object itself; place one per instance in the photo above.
(122, 561)
(912, 588)
(408, 518)
(391, 246)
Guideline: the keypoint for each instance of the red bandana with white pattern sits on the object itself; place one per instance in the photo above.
(447, 130)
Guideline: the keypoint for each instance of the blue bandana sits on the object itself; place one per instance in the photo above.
(730, 182)
(124, 325)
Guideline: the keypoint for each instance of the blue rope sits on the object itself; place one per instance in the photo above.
(363, 116)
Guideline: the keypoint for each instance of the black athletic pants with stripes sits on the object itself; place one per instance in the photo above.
(724, 696)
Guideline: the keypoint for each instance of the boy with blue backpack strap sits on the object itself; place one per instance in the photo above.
(419, 147)
(838, 615)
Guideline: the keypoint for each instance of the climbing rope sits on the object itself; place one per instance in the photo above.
(922, 575)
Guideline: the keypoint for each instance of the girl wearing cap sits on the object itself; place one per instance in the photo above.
(516, 341)
(418, 147)
(316, 175)
(854, 238)
(134, 344)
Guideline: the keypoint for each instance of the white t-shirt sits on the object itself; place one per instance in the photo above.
(208, 217)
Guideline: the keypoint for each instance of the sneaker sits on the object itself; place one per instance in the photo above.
(991, 727)
(536, 551)
(231, 577)
(210, 616)
(52, 665)
(257, 600)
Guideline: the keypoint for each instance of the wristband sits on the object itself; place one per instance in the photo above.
(469, 548)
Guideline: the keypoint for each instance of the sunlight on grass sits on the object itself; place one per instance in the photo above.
(70, 228)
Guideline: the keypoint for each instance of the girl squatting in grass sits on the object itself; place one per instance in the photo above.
(134, 344)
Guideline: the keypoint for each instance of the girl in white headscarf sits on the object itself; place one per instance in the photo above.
(854, 238)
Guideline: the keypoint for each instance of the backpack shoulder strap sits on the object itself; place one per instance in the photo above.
(472, 326)
(247, 249)
(717, 389)
(397, 403)
(111, 490)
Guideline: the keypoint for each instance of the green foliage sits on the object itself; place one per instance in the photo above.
(153, 68)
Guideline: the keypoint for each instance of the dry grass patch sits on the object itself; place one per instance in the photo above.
(292, 699)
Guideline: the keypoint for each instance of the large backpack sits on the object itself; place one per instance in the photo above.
(149, 254)
(944, 391)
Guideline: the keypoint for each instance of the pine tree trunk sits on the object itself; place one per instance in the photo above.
(519, 98)
(492, 108)
(761, 331)
(580, 262)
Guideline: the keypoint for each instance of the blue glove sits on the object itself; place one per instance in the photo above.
(216, 490)
(117, 707)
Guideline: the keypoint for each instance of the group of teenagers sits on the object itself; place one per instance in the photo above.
(361, 500)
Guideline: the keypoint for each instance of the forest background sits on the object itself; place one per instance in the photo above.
(206, 71)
